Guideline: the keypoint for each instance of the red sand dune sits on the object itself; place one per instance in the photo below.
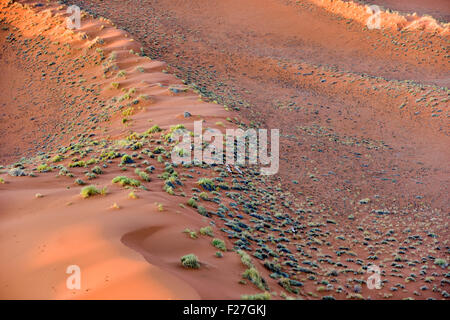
(363, 178)
(439, 9)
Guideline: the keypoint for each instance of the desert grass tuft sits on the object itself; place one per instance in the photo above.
(90, 191)
(190, 261)
(142, 174)
(219, 244)
(132, 195)
(258, 296)
(207, 231)
(125, 181)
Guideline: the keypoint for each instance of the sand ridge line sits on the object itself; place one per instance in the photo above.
(389, 20)
(124, 69)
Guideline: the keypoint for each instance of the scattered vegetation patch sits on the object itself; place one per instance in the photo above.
(125, 181)
(245, 259)
(17, 172)
(80, 182)
(219, 244)
(142, 174)
(132, 195)
(77, 164)
(97, 170)
(115, 206)
(204, 196)
(154, 129)
(440, 262)
(90, 191)
(202, 210)
(253, 275)
(192, 203)
(259, 296)
(43, 168)
(206, 183)
(190, 261)
(126, 159)
(191, 233)
(207, 231)
(57, 158)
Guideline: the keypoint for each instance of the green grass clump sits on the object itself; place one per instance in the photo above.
(207, 231)
(56, 158)
(97, 170)
(206, 183)
(204, 196)
(80, 182)
(219, 254)
(253, 275)
(142, 174)
(190, 261)
(132, 195)
(91, 161)
(224, 186)
(109, 155)
(154, 129)
(43, 168)
(133, 136)
(77, 164)
(245, 259)
(192, 203)
(287, 285)
(159, 150)
(201, 210)
(64, 172)
(440, 262)
(125, 181)
(169, 135)
(192, 234)
(169, 190)
(126, 159)
(90, 175)
(2, 180)
(177, 127)
(219, 244)
(258, 296)
(90, 191)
